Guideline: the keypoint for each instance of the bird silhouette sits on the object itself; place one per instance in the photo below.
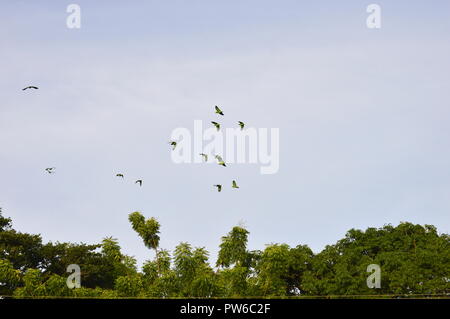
(241, 124)
(119, 175)
(139, 181)
(234, 185)
(30, 87)
(217, 125)
(174, 144)
(205, 157)
(218, 111)
(219, 187)
(50, 170)
(220, 161)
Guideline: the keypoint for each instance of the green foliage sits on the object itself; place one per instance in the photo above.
(233, 248)
(129, 286)
(235, 282)
(33, 285)
(148, 229)
(414, 259)
(122, 264)
(195, 276)
(205, 285)
(97, 270)
(281, 269)
(9, 277)
(22, 250)
(5, 223)
(57, 286)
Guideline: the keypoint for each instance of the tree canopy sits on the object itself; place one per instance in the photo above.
(414, 260)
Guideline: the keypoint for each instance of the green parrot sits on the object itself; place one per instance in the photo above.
(220, 161)
(174, 144)
(218, 111)
(217, 125)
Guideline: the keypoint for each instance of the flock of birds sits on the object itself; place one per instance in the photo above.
(219, 159)
(139, 181)
(51, 170)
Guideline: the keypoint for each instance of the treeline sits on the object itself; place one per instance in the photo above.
(414, 259)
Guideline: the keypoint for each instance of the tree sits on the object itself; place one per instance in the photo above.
(281, 269)
(22, 250)
(233, 248)
(129, 286)
(196, 277)
(9, 277)
(5, 223)
(413, 259)
(122, 264)
(97, 269)
(235, 263)
(148, 229)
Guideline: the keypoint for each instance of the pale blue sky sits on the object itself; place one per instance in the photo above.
(364, 118)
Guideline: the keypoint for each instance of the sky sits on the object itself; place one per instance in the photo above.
(363, 117)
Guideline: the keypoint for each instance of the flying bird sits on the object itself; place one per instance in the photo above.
(234, 185)
(241, 124)
(174, 144)
(119, 175)
(217, 125)
(219, 187)
(50, 170)
(220, 161)
(205, 157)
(218, 111)
(30, 87)
(139, 181)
